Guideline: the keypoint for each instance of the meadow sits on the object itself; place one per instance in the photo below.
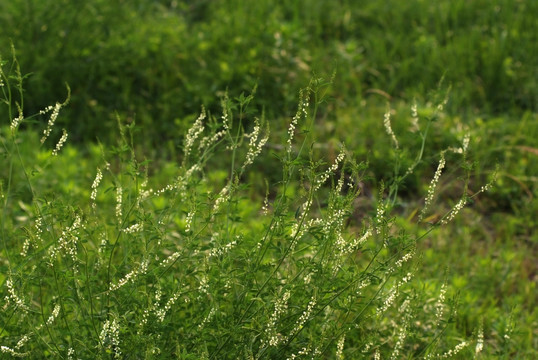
(269, 180)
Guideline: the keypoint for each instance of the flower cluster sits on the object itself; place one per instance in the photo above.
(119, 193)
(321, 180)
(215, 252)
(193, 133)
(60, 143)
(281, 306)
(298, 229)
(179, 184)
(303, 352)
(96, 182)
(52, 120)
(380, 215)
(26, 246)
(377, 354)
(392, 293)
(68, 241)
(454, 351)
(101, 250)
(204, 285)
(207, 141)
(22, 341)
(303, 318)
(170, 259)
(406, 310)
(340, 347)
(12, 352)
(16, 121)
(222, 198)
(255, 149)
(130, 276)
(465, 142)
(110, 337)
(433, 185)
(225, 115)
(207, 319)
(388, 128)
(480, 338)
(402, 334)
(188, 220)
(301, 110)
(455, 210)
(54, 315)
(334, 220)
(347, 247)
(12, 297)
(440, 305)
(405, 258)
(133, 228)
(414, 118)
(162, 312)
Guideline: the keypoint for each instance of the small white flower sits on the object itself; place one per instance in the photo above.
(22, 342)
(433, 185)
(222, 198)
(54, 315)
(388, 128)
(110, 337)
(305, 316)
(454, 351)
(405, 258)
(465, 142)
(455, 210)
(414, 118)
(321, 180)
(133, 229)
(15, 122)
(12, 352)
(96, 182)
(281, 306)
(340, 348)
(60, 143)
(26, 247)
(302, 110)
(207, 318)
(131, 276)
(162, 312)
(119, 193)
(480, 338)
(13, 297)
(254, 149)
(188, 220)
(440, 306)
(193, 133)
(52, 120)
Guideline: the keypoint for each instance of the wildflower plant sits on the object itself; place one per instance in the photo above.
(189, 269)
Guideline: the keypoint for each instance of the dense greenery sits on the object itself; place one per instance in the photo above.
(158, 61)
(262, 259)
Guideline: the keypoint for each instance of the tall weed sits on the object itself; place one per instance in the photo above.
(194, 268)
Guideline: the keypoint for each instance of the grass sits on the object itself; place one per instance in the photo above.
(157, 63)
(195, 269)
(234, 234)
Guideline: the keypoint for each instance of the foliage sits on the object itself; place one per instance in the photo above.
(194, 268)
(156, 62)
(177, 235)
